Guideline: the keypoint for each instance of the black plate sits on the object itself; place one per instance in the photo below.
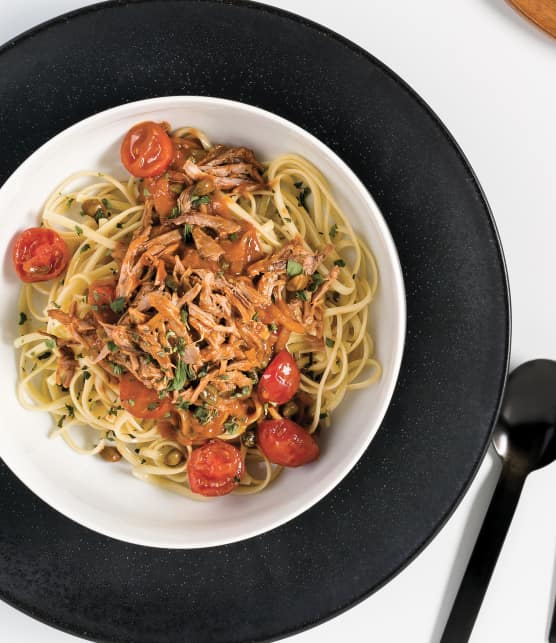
(437, 428)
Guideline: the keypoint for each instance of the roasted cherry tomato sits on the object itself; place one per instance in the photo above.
(284, 442)
(280, 380)
(140, 401)
(101, 295)
(164, 199)
(146, 150)
(39, 254)
(215, 468)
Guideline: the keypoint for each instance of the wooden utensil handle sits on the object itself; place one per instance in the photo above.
(541, 12)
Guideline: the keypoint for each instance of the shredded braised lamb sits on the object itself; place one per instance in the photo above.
(197, 308)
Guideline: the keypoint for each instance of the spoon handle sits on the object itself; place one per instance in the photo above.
(552, 635)
(484, 556)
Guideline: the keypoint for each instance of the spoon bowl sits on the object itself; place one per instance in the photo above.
(525, 434)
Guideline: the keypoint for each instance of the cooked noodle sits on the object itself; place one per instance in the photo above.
(295, 201)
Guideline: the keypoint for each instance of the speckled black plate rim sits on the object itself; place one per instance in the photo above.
(359, 51)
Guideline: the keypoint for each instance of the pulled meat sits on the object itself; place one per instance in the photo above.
(199, 309)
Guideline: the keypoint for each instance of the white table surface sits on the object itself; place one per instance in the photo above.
(490, 76)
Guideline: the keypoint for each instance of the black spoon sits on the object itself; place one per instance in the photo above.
(525, 439)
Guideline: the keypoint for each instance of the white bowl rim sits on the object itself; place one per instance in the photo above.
(399, 332)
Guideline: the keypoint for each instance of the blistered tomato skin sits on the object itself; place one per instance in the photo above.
(146, 150)
(286, 443)
(215, 468)
(280, 380)
(39, 254)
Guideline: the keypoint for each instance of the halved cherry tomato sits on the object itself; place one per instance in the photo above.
(101, 295)
(164, 199)
(286, 443)
(140, 401)
(39, 254)
(215, 468)
(146, 150)
(280, 380)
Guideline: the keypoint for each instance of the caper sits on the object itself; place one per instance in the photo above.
(290, 409)
(204, 186)
(299, 282)
(210, 394)
(249, 439)
(110, 454)
(173, 457)
(91, 206)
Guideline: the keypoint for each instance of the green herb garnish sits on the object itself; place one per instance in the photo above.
(22, 319)
(187, 232)
(118, 305)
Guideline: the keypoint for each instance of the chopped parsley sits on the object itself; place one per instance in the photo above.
(199, 200)
(255, 317)
(146, 192)
(78, 230)
(293, 268)
(316, 281)
(301, 294)
(70, 410)
(230, 426)
(340, 262)
(112, 346)
(329, 342)
(61, 421)
(118, 305)
(50, 343)
(86, 375)
(85, 247)
(175, 212)
(180, 376)
(303, 192)
(22, 318)
(333, 230)
(184, 314)
(233, 236)
(183, 404)
(186, 232)
(116, 368)
(152, 406)
(273, 327)
(203, 414)
(106, 203)
(101, 214)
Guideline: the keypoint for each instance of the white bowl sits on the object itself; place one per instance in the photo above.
(108, 498)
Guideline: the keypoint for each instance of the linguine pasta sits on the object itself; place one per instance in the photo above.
(294, 205)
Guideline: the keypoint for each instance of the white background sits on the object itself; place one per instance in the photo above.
(491, 77)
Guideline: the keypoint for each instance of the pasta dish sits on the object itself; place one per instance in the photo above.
(200, 320)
